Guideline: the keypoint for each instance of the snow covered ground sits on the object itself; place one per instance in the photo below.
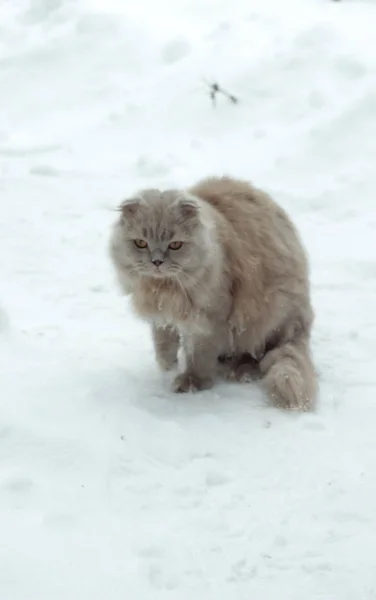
(110, 486)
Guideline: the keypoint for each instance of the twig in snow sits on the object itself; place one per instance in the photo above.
(215, 88)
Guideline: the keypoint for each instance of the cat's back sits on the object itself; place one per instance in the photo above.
(228, 195)
(246, 208)
(253, 223)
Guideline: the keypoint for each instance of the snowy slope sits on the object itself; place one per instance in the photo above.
(111, 487)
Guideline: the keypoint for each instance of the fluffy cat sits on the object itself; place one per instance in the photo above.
(219, 270)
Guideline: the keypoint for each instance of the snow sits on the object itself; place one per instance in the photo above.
(110, 486)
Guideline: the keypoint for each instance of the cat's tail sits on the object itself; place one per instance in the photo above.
(289, 375)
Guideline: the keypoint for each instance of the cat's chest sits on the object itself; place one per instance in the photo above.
(165, 302)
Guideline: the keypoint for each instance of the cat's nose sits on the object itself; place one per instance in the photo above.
(157, 262)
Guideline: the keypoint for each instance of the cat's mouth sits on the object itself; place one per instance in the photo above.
(161, 272)
(157, 272)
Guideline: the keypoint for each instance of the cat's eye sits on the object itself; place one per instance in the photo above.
(140, 243)
(175, 245)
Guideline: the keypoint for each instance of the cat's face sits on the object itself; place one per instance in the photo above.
(161, 234)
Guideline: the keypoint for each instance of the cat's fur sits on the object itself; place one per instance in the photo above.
(235, 297)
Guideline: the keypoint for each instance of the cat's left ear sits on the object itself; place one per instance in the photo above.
(188, 206)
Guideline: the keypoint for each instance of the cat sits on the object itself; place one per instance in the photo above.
(220, 272)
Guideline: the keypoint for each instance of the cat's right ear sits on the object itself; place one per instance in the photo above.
(129, 207)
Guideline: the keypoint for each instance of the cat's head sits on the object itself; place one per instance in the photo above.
(162, 234)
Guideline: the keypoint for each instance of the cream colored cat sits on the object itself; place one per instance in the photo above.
(219, 270)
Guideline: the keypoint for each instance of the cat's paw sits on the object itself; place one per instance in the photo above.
(167, 364)
(243, 373)
(189, 382)
(242, 370)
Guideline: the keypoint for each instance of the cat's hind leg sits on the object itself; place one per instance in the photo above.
(242, 368)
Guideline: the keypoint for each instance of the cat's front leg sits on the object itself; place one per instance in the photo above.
(166, 343)
(201, 358)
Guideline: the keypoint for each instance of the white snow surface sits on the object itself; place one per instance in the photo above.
(110, 486)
